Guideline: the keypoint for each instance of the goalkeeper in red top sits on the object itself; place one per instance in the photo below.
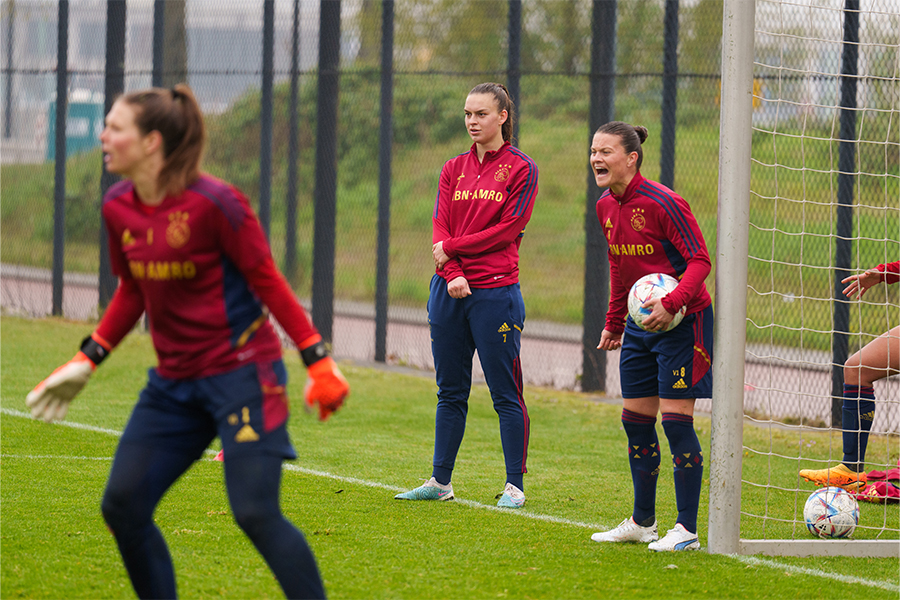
(878, 359)
(651, 229)
(189, 251)
(485, 198)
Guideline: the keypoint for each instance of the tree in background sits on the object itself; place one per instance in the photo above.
(556, 36)
(699, 48)
(639, 47)
(366, 26)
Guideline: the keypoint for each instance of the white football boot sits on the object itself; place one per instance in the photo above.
(628, 531)
(678, 538)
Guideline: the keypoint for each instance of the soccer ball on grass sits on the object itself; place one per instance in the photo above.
(655, 285)
(831, 513)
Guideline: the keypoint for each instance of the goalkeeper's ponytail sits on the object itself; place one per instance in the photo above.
(176, 115)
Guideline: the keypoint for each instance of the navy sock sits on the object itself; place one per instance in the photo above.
(856, 421)
(517, 479)
(643, 458)
(441, 474)
(687, 458)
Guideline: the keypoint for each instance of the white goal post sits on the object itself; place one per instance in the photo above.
(727, 451)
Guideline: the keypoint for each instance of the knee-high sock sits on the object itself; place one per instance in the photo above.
(687, 458)
(643, 458)
(857, 416)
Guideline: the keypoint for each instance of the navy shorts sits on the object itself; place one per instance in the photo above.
(247, 408)
(675, 364)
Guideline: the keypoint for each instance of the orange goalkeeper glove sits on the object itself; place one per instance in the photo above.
(50, 399)
(325, 385)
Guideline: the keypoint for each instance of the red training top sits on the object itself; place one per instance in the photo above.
(651, 229)
(200, 266)
(891, 272)
(480, 214)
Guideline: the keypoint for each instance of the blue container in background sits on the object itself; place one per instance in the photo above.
(84, 123)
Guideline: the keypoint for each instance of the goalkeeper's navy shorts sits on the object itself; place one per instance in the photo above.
(247, 408)
(675, 364)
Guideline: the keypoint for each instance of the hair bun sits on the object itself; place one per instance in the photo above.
(641, 132)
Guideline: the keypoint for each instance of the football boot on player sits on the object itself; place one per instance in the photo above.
(678, 538)
(430, 490)
(628, 531)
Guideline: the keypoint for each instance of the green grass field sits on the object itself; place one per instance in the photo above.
(54, 543)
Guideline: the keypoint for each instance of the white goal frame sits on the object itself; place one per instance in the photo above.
(732, 248)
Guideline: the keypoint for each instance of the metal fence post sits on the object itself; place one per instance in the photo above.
(265, 117)
(325, 192)
(159, 40)
(514, 60)
(10, 32)
(596, 265)
(846, 178)
(114, 84)
(290, 229)
(669, 96)
(59, 181)
(385, 146)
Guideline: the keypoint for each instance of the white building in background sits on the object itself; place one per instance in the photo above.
(224, 46)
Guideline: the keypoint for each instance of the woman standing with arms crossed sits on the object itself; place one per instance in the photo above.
(189, 251)
(650, 229)
(485, 198)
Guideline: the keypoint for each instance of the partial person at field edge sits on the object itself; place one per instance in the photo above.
(484, 201)
(651, 229)
(878, 359)
(190, 252)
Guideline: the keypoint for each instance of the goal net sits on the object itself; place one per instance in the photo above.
(820, 134)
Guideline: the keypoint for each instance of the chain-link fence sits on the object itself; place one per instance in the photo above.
(441, 49)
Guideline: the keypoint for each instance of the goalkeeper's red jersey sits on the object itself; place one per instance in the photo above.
(651, 229)
(200, 266)
(480, 214)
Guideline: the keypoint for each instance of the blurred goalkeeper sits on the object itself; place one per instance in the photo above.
(189, 251)
(878, 359)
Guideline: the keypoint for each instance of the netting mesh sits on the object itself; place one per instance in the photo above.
(810, 196)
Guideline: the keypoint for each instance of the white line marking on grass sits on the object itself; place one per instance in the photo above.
(762, 562)
(469, 503)
(54, 457)
(749, 560)
(18, 413)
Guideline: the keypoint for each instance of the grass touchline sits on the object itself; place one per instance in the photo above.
(749, 560)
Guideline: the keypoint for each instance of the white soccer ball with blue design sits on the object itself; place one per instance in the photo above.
(831, 513)
(655, 285)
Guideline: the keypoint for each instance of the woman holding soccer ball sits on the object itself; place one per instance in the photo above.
(651, 229)
(484, 200)
(190, 253)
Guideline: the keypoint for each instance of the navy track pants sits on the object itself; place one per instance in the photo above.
(489, 321)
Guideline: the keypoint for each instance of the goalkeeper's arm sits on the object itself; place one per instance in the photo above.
(325, 385)
(50, 399)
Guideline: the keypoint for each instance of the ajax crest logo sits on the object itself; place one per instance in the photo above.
(502, 173)
(178, 232)
(638, 221)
